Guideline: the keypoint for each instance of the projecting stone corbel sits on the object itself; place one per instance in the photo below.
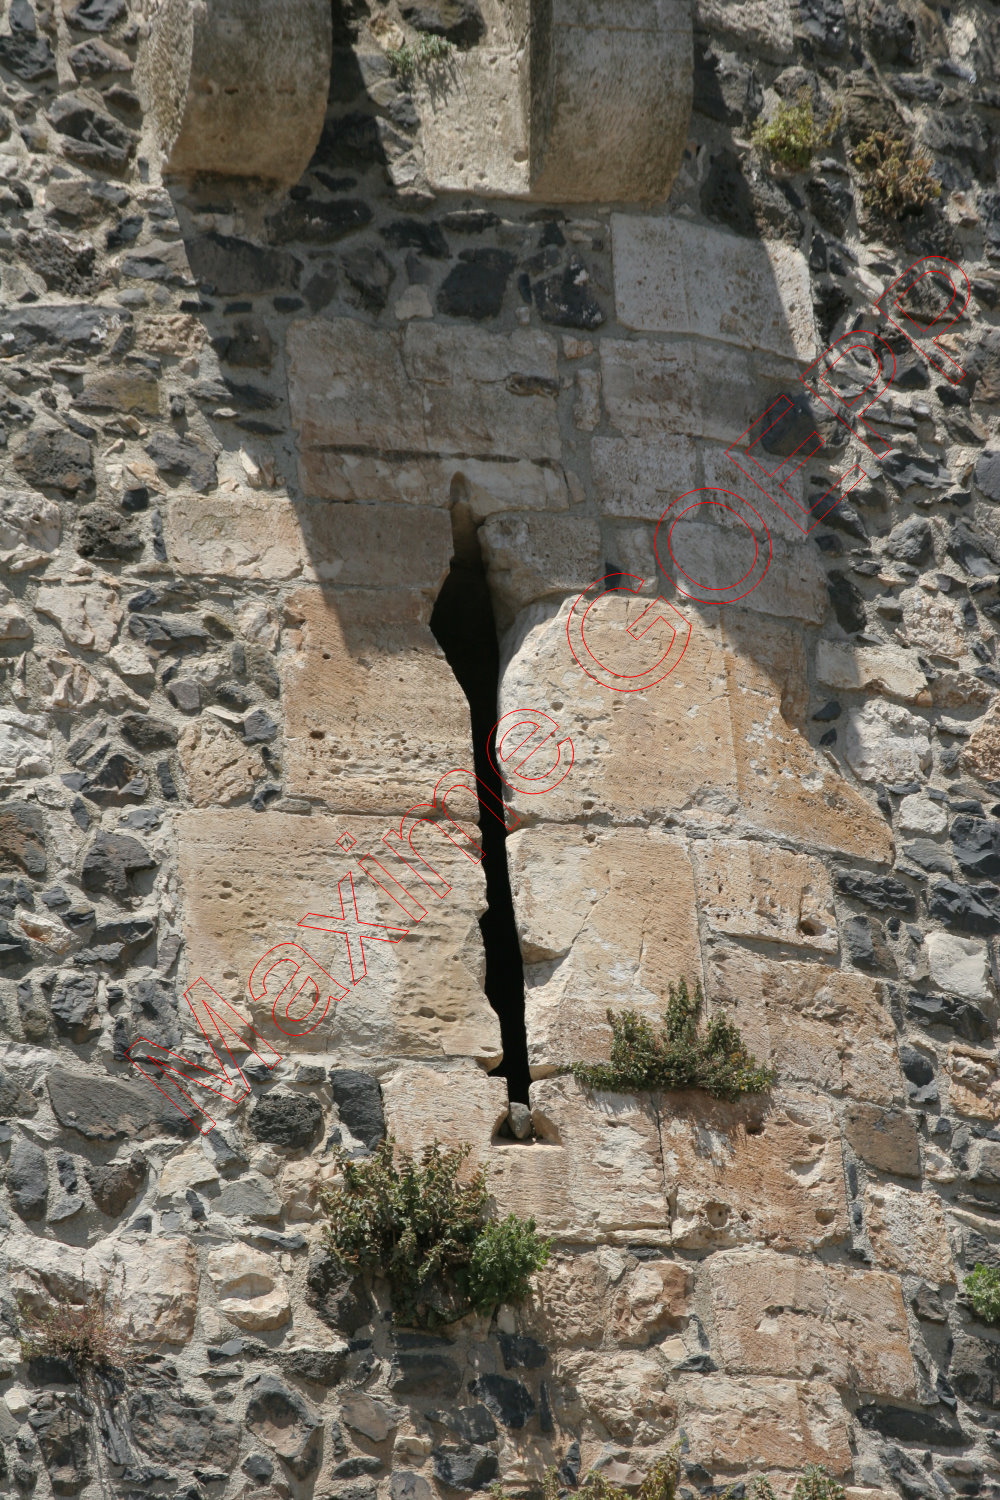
(236, 88)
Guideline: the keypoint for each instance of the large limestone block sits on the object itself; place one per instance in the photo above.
(722, 733)
(218, 767)
(426, 389)
(706, 555)
(159, 1287)
(247, 881)
(260, 536)
(673, 276)
(374, 714)
(530, 557)
(973, 1082)
(754, 890)
(237, 88)
(595, 1169)
(605, 919)
(818, 1026)
(486, 485)
(882, 669)
(908, 1233)
(752, 1171)
(764, 1424)
(617, 1393)
(781, 1315)
(451, 1105)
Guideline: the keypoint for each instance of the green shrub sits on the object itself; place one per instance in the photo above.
(681, 1057)
(659, 1483)
(91, 1338)
(813, 1484)
(429, 1234)
(983, 1290)
(895, 179)
(412, 56)
(792, 136)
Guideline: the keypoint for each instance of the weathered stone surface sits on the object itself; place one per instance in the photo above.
(88, 616)
(981, 756)
(907, 1232)
(359, 1104)
(755, 891)
(884, 1138)
(973, 1082)
(22, 837)
(779, 1315)
(115, 1185)
(217, 767)
(933, 623)
(530, 557)
(609, 922)
(52, 458)
(252, 1293)
(361, 671)
(422, 1102)
(754, 1424)
(883, 669)
(622, 1390)
(404, 1008)
(27, 1180)
(30, 528)
(887, 743)
(90, 136)
(822, 1027)
(74, 1006)
(237, 91)
(292, 1120)
(111, 864)
(176, 1427)
(726, 289)
(427, 389)
(285, 1421)
(25, 746)
(116, 1110)
(159, 1290)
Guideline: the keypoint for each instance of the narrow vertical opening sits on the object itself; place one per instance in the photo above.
(464, 628)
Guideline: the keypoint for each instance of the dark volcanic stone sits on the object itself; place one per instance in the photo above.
(184, 458)
(179, 1428)
(154, 1011)
(112, 862)
(291, 1120)
(234, 265)
(14, 1100)
(28, 57)
(111, 1109)
(418, 1372)
(473, 1424)
(747, 205)
(414, 234)
(977, 844)
(114, 1186)
(22, 837)
(250, 346)
(724, 88)
(340, 1299)
(509, 1401)
(63, 266)
(96, 15)
(924, 1427)
(917, 1066)
(888, 32)
(103, 533)
(831, 202)
(882, 892)
(475, 287)
(283, 1420)
(465, 1466)
(56, 460)
(848, 605)
(974, 1372)
(563, 299)
(74, 1005)
(969, 908)
(988, 473)
(118, 780)
(27, 1180)
(313, 222)
(323, 1366)
(460, 21)
(824, 23)
(945, 1010)
(370, 273)
(91, 137)
(909, 469)
(520, 1352)
(359, 1104)
(147, 733)
(61, 1430)
(71, 327)
(14, 951)
(910, 541)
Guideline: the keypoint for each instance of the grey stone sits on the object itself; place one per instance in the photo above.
(976, 843)
(313, 222)
(564, 300)
(249, 346)
(112, 863)
(465, 1466)
(519, 1119)
(27, 1180)
(848, 605)
(460, 21)
(883, 892)
(521, 1352)
(259, 728)
(282, 1419)
(61, 1430)
(184, 458)
(74, 1006)
(109, 1109)
(290, 1120)
(725, 89)
(988, 473)
(54, 459)
(103, 534)
(14, 951)
(96, 15)
(965, 907)
(178, 1428)
(73, 326)
(907, 470)
(405, 1485)
(473, 1424)
(509, 1400)
(370, 274)
(249, 1198)
(147, 733)
(910, 542)
(322, 1366)
(974, 1372)
(114, 1186)
(340, 1299)
(185, 694)
(418, 1372)
(353, 1468)
(91, 137)
(960, 1016)
(415, 234)
(359, 1104)
(475, 287)
(29, 57)
(96, 59)
(237, 266)
(824, 22)
(14, 1099)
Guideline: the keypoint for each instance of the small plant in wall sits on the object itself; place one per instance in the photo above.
(982, 1288)
(659, 1483)
(429, 1234)
(791, 136)
(895, 179)
(680, 1056)
(815, 1483)
(414, 57)
(91, 1338)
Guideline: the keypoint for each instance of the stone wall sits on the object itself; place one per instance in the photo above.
(256, 390)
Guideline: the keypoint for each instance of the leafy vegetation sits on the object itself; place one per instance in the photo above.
(411, 57)
(895, 179)
(660, 1483)
(91, 1338)
(982, 1288)
(815, 1483)
(792, 136)
(681, 1057)
(429, 1234)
